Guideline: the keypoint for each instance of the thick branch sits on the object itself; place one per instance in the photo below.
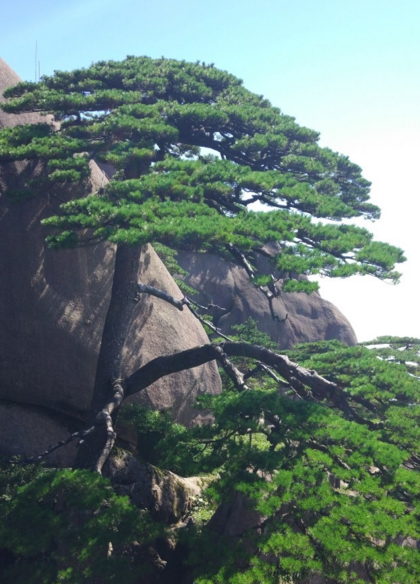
(320, 387)
(298, 377)
(162, 366)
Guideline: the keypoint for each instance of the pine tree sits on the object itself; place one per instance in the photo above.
(193, 150)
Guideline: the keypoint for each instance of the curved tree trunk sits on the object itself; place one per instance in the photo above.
(108, 390)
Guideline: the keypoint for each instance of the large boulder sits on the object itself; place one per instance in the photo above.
(298, 317)
(52, 310)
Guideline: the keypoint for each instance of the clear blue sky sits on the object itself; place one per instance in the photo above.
(349, 69)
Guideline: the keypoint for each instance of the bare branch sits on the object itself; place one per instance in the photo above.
(37, 458)
(269, 294)
(188, 302)
(234, 373)
(103, 418)
(208, 308)
(144, 289)
(240, 257)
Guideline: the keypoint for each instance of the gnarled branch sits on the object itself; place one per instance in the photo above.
(300, 379)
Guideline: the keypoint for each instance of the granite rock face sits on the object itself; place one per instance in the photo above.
(52, 310)
(300, 317)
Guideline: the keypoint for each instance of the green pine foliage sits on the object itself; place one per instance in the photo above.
(403, 350)
(193, 149)
(249, 332)
(338, 495)
(70, 526)
(382, 375)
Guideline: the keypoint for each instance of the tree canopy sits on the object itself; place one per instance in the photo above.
(193, 150)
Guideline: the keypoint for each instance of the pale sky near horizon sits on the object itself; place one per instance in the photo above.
(348, 69)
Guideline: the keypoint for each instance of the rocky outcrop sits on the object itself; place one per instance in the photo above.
(167, 496)
(52, 309)
(300, 317)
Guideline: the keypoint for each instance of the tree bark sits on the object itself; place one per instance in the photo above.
(106, 401)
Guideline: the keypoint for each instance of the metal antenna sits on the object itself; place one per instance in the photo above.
(36, 57)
